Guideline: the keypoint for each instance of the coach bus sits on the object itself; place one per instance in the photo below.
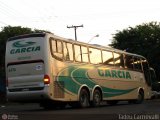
(54, 71)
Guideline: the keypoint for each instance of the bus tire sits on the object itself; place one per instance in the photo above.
(84, 98)
(140, 98)
(97, 98)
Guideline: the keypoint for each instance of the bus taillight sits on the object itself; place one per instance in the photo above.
(46, 79)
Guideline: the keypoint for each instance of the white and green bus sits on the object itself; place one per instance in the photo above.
(54, 71)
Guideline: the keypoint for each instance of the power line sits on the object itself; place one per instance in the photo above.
(37, 10)
(9, 10)
(10, 13)
(3, 23)
(75, 29)
(5, 11)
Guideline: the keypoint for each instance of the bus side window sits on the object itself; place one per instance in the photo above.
(118, 60)
(107, 57)
(146, 71)
(84, 54)
(54, 48)
(68, 52)
(137, 64)
(65, 52)
(129, 62)
(57, 50)
(95, 56)
(78, 55)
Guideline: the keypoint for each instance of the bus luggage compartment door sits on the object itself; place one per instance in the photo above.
(23, 77)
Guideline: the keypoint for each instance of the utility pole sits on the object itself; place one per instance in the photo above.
(75, 30)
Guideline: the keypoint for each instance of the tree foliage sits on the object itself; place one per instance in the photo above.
(143, 39)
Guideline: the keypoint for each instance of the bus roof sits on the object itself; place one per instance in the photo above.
(73, 42)
(98, 46)
(27, 36)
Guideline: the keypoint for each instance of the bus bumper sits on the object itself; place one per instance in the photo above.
(28, 96)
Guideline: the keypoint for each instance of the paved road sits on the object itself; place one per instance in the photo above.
(150, 109)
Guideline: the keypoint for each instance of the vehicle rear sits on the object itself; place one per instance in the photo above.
(26, 76)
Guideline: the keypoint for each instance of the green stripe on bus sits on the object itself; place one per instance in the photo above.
(75, 76)
(81, 77)
(70, 85)
(108, 92)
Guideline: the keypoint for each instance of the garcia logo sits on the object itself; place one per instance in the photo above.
(19, 44)
(114, 74)
(24, 47)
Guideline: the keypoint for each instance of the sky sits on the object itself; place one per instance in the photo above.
(102, 18)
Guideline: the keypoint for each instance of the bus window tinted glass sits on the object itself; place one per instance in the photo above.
(95, 56)
(107, 57)
(137, 64)
(128, 61)
(54, 46)
(78, 54)
(68, 51)
(84, 54)
(146, 71)
(57, 49)
(65, 51)
(118, 60)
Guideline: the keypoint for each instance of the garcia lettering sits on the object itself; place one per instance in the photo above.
(25, 50)
(114, 74)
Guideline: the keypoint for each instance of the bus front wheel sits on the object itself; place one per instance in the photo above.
(140, 97)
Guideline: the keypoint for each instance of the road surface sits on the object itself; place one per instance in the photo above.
(149, 109)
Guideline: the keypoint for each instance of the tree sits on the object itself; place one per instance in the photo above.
(144, 40)
(138, 39)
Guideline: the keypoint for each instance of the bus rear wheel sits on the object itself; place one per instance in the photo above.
(84, 98)
(97, 97)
